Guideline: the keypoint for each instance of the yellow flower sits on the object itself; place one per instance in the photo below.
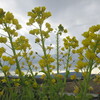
(97, 60)
(52, 66)
(84, 74)
(17, 72)
(31, 52)
(62, 48)
(90, 88)
(2, 50)
(70, 58)
(90, 55)
(18, 26)
(3, 39)
(46, 15)
(81, 57)
(76, 89)
(76, 70)
(73, 51)
(86, 42)
(49, 47)
(1, 93)
(98, 50)
(17, 80)
(9, 16)
(5, 68)
(21, 43)
(43, 8)
(80, 50)
(69, 65)
(65, 31)
(70, 42)
(42, 63)
(37, 40)
(11, 62)
(93, 36)
(73, 77)
(47, 25)
(59, 76)
(43, 76)
(15, 21)
(16, 84)
(35, 85)
(34, 31)
(26, 82)
(30, 63)
(1, 11)
(46, 61)
(81, 64)
(53, 80)
(4, 80)
(5, 58)
(85, 34)
(39, 21)
(94, 28)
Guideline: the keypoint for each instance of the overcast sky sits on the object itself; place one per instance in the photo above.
(75, 15)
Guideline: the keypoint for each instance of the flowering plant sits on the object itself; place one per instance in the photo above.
(22, 56)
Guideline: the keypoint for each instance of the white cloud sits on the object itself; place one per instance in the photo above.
(76, 15)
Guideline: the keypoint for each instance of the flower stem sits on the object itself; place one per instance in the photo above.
(57, 53)
(44, 51)
(14, 52)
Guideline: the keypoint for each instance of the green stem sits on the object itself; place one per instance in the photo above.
(31, 71)
(88, 77)
(87, 80)
(8, 82)
(44, 50)
(14, 53)
(57, 53)
(67, 62)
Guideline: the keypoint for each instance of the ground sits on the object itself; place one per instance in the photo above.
(70, 87)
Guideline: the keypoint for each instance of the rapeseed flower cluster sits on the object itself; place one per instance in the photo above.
(91, 48)
(5, 68)
(7, 17)
(69, 46)
(49, 48)
(10, 60)
(81, 64)
(70, 42)
(2, 50)
(7, 20)
(73, 77)
(76, 90)
(61, 29)
(44, 61)
(58, 76)
(21, 43)
(39, 15)
(21, 52)
(1, 92)
(17, 72)
(43, 76)
(3, 39)
(53, 81)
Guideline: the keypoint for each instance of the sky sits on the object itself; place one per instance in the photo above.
(75, 15)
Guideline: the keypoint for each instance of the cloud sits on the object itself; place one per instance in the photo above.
(76, 15)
